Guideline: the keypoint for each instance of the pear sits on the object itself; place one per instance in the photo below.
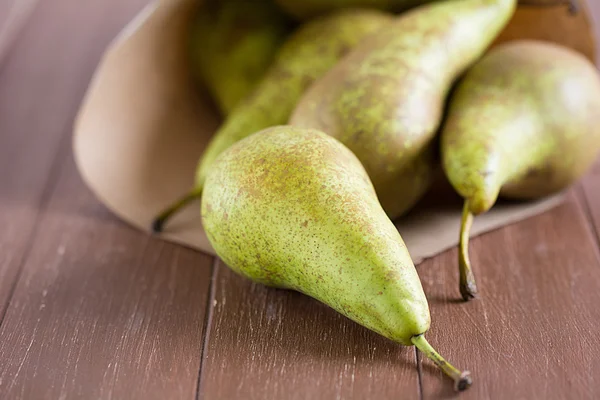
(294, 209)
(523, 123)
(385, 100)
(233, 42)
(306, 9)
(306, 55)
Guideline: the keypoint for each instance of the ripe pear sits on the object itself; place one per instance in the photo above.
(294, 209)
(232, 44)
(523, 123)
(386, 99)
(306, 55)
(306, 9)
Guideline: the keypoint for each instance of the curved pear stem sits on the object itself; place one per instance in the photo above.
(468, 288)
(462, 379)
(159, 222)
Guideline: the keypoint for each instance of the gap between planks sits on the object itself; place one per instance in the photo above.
(50, 185)
(586, 206)
(207, 321)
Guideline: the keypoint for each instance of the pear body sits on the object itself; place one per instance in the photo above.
(305, 9)
(233, 42)
(306, 55)
(294, 208)
(523, 123)
(386, 99)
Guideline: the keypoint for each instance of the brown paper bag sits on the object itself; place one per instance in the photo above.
(142, 127)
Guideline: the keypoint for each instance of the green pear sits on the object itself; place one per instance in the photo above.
(385, 100)
(293, 208)
(233, 42)
(306, 55)
(523, 123)
(306, 9)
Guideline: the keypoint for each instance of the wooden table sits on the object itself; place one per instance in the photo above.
(92, 309)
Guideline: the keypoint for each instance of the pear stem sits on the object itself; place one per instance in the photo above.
(462, 379)
(468, 288)
(159, 222)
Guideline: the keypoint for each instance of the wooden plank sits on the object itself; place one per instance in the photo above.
(277, 344)
(100, 310)
(590, 194)
(40, 87)
(533, 332)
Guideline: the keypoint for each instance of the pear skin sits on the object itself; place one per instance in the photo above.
(305, 56)
(523, 123)
(294, 208)
(233, 42)
(385, 100)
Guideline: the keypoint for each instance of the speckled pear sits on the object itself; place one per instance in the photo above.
(523, 123)
(306, 55)
(386, 99)
(233, 42)
(294, 208)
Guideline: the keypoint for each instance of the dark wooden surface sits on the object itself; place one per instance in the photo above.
(90, 308)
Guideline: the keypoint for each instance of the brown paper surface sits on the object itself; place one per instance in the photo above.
(555, 24)
(142, 127)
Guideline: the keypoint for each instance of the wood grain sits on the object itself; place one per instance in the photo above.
(589, 194)
(265, 343)
(533, 333)
(37, 102)
(100, 310)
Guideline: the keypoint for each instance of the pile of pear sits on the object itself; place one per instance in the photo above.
(335, 124)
